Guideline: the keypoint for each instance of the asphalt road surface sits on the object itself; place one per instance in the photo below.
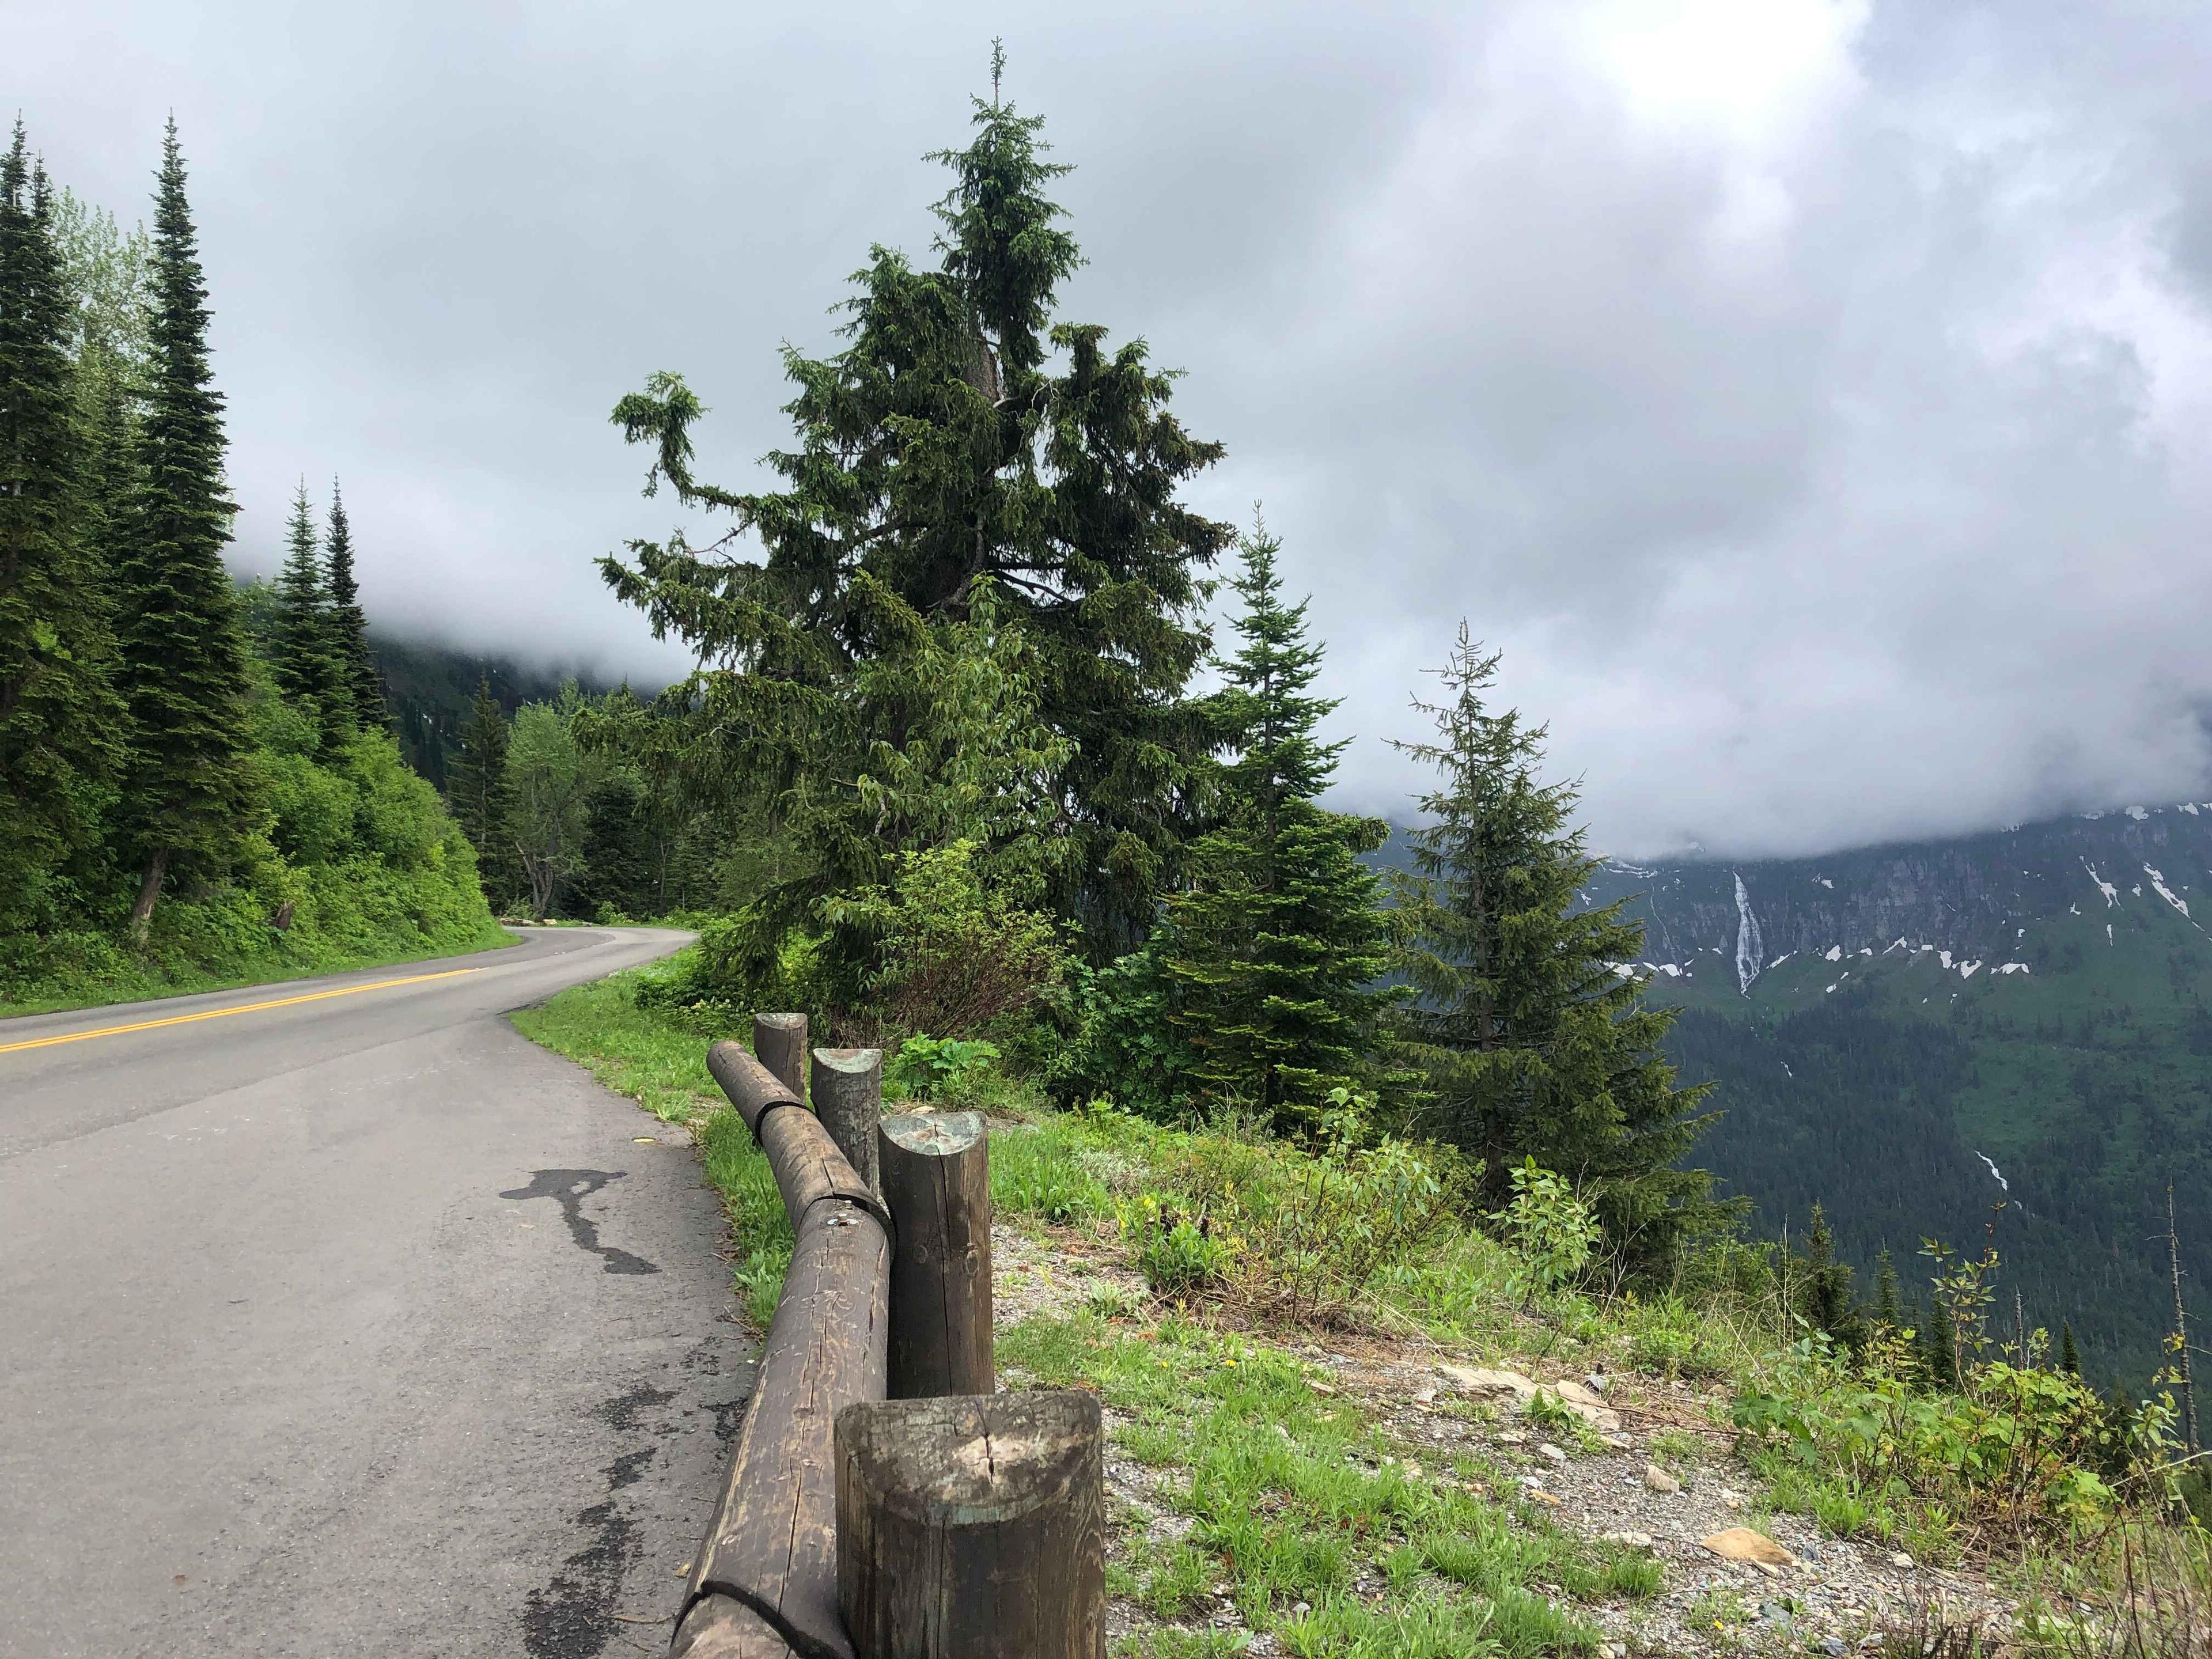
(355, 1325)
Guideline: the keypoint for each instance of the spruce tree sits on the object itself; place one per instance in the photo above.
(1273, 952)
(964, 433)
(189, 800)
(477, 790)
(303, 646)
(617, 873)
(1829, 1305)
(363, 685)
(2070, 1356)
(1889, 1310)
(58, 714)
(1531, 1043)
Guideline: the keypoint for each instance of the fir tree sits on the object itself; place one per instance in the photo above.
(363, 685)
(1531, 1044)
(190, 797)
(1273, 952)
(615, 875)
(303, 648)
(2070, 1357)
(1828, 1304)
(1889, 1310)
(59, 713)
(965, 441)
(1939, 1349)
(477, 787)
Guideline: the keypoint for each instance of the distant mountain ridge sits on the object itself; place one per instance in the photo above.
(1910, 1034)
(1971, 896)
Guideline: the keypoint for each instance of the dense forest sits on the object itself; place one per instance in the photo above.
(198, 785)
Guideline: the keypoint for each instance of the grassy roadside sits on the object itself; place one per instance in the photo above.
(276, 968)
(1348, 1478)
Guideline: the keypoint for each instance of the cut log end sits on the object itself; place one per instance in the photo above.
(934, 1134)
(973, 1526)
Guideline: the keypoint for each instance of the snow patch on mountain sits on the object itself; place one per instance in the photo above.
(2112, 893)
(2158, 884)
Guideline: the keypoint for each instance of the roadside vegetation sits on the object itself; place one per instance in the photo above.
(197, 787)
(1370, 1209)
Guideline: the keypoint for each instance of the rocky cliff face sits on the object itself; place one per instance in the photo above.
(1978, 899)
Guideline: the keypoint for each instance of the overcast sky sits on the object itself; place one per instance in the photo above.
(1810, 397)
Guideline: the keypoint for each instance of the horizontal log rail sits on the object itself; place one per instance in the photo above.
(909, 1495)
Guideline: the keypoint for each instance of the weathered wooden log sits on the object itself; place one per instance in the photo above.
(752, 1087)
(848, 1098)
(780, 1040)
(773, 1543)
(718, 1627)
(936, 1176)
(808, 1166)
(972, 1526)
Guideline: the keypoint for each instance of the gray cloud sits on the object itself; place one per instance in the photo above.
(1810, 398)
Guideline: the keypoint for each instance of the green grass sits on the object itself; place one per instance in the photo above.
(276, 967)
(1296, 1496)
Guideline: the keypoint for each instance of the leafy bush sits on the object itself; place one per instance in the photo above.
(937, 1068)
(1549, 1228)
(1302, 1237)
(1175, 1248)
(2016, 1453)
(953, 953)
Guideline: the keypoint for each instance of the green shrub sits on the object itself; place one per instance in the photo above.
(937, 1068)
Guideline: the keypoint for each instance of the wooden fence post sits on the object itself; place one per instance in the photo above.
(972, 1526)
(780, 1040)
(936, 1177)
(848, 1098)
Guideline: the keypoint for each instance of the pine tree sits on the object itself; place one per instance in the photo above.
(59, 713)
(945, 445)
(304, 648)
(357, 673)
(190, 798)
(1888, 1311)
(477, 788)
(2070, 1357)
(1273, 951)
(1939, 1348)
(616, 874)
(1532, 1045)
(1828, 1305)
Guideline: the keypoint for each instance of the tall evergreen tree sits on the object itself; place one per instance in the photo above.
(1888, 1307)
(58, 714)
(189, 798)
(964, 433)
(363, 685)
(477, 787)
(2070, 1356)
(304, 647)
(1273, 950)
(1531, 1043)
(1828, 1305)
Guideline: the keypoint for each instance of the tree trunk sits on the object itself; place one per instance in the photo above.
(973, 1528)
(149, 888)
(937, 1183)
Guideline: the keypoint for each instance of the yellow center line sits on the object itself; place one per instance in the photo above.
(224, 1013)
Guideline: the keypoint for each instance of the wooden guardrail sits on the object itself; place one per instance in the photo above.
(883, 1501)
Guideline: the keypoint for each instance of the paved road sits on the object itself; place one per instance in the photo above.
(354, 1326)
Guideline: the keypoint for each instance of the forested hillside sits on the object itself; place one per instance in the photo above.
(1886, 1024)
(195, 785)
